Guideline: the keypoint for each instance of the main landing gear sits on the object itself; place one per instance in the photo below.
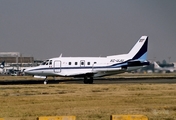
(88, 80)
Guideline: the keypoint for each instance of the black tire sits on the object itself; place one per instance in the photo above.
(86, 81)
(91, 80)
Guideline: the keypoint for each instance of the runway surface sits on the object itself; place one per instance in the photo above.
(96, 81)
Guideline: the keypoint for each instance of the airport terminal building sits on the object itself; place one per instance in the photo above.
(15, 57)
(16, 61)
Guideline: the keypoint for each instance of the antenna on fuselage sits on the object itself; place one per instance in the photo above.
(60, 55)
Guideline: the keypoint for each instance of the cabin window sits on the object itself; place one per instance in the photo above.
(82, 63)
(43, 63)
(76, 63)
(69, 63)
(88, 63)
(95, 62)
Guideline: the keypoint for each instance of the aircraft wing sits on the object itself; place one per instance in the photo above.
(81, 74)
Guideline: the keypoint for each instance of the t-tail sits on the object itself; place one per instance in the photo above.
(156, 66)
(139, 51)
(138, 54)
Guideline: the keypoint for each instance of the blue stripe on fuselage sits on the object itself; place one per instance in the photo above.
(88, 67)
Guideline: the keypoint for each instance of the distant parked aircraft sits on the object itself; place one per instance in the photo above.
(2, 66)
(91, 67)
(167, 69)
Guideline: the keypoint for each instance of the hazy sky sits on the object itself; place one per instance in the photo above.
(47, 28)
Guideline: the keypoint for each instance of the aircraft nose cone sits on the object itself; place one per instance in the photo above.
(30, 71)
(27, 71)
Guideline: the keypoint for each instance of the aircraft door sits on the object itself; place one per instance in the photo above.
(57, 66)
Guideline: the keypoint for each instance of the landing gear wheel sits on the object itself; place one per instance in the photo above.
(91, 80)
(45, 81)
(86, 81)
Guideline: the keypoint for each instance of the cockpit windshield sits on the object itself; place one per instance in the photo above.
(45, 62)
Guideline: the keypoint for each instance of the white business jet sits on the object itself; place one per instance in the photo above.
(167, 69)
(2, 65)
(91, 67)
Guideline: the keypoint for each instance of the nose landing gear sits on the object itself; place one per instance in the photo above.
(45, 81)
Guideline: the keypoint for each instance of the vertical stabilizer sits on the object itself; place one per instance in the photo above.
(174, 65)
(156, 66)
(2, 64)
(139, 51)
